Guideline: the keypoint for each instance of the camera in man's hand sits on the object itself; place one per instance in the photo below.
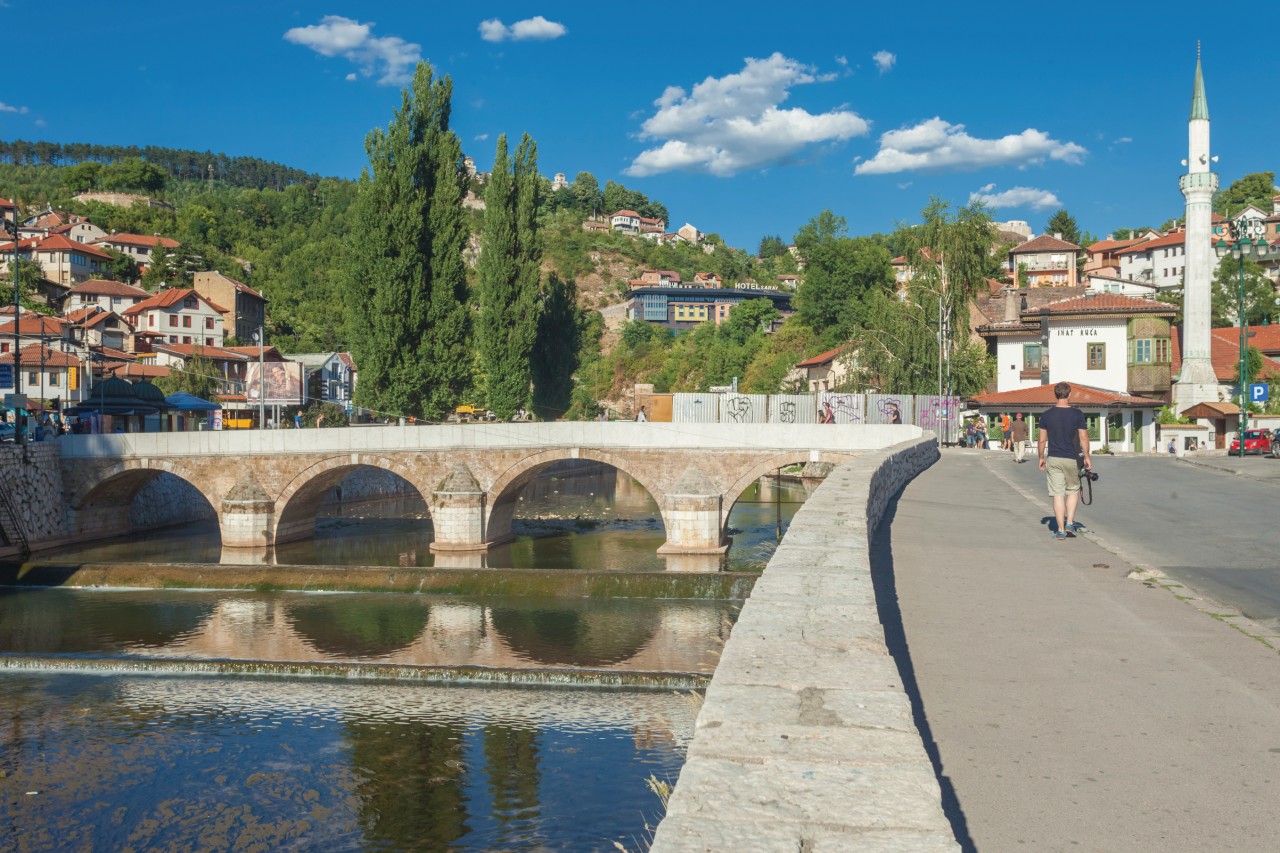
(1092, 475)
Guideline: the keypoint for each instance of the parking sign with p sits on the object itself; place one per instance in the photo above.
(1259, 392)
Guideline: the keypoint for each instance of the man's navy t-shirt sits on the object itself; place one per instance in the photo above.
(1062, 423)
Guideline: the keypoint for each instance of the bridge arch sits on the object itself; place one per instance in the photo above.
(101, 505)
(501, 497)
(299, 501)
(755, 472)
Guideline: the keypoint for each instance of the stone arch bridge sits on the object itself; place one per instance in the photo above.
(266, 487)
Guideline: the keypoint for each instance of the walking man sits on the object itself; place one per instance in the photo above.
(1019, 432)
(1063, 436)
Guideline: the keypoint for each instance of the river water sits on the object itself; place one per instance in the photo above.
(104, 745)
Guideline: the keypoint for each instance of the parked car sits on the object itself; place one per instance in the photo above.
(6, 432)
(1255, 441)
(1275, 443)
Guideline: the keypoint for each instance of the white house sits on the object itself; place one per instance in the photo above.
(181, 315)
(1161, 261)
(102, 293)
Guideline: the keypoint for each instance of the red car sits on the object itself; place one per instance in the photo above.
(1255, 441)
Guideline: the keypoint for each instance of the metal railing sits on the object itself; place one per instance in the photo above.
(15, 522)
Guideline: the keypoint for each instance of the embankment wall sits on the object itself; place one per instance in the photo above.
(806, 739)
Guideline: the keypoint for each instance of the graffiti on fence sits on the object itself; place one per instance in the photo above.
(739, 409)
(788, 412)
(847, 408)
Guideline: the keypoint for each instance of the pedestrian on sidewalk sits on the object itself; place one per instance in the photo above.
(981, 429)
(1006, 440)
(1064, 438)
(1019, 432)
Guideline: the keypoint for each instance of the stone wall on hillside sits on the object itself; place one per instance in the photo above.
(33, 489)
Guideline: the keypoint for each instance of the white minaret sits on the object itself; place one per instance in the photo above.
(1197, 383)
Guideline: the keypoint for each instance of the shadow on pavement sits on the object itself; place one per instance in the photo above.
(895, 638)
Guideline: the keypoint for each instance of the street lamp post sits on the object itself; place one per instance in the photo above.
(1247, 239)
(12, 228)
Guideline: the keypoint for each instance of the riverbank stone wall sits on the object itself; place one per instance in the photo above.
(806, 739)
(33, 488)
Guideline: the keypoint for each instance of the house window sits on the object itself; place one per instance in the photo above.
(1030, 356)
(208, 322)
(33, 379)
(53, 380)
(1097, 356)
(173, 339)
(151, 320)
(173, 321)
(208, 342)
(1162, 351)
(189, 302)
(4, 347)
(186, 339)
(1141, 351)
(1091, 426)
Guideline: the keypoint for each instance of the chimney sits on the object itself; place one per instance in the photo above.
(1057, 235)
(1012, 302)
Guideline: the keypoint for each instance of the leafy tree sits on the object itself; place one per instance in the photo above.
(1256, 188)
(82, 177)
(1260, 302)
(585, 191)
(405, 283)
(772, 247)
(30, 275)
(507, 279)
(898, 354)
(840, 272)
(198, 376)
(133, 175)
(556, 354)
(639, 332)
(1065, 224)
(748, 318)
(121, 267)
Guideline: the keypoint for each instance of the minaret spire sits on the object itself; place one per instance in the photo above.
(1199, 104)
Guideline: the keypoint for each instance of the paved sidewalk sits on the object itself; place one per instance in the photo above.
(1068, 706)
(1264, 468)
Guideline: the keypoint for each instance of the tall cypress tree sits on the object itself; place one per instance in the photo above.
(508, 276)
(406, 288)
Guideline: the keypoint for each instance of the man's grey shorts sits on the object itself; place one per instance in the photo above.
(1064, 475)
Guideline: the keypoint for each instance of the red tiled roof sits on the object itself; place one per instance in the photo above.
(1081, 395)
(105, 287)
(630, 213)
(169, 298)
(1263, 338)
(4, 202)
(1177, 238)
(36, 354)
(269, 353)
(35, 324)
(202, 351)
(1044, 243)
(1109, 245)
(1224, 354)
(138, 370)
(822, 358)
(139, 240)
(59, 243)
(24, 243)
(1106, 303)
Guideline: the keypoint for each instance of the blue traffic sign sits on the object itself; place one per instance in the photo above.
(6, 375)
(1259, 392)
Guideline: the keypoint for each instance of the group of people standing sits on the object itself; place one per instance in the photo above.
(1014, 434)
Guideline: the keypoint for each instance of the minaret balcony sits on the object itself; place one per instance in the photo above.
(1198, 180)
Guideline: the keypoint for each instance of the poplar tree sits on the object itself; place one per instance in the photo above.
(406, 278)
(508, 274)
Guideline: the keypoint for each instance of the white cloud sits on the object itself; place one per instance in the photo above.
(481, 137)
(1123, 140)
(884, 60)
(536, 28)
(939, 145)
(351, 76)
(905, 185)
(391, 58)
(733, 123)
(1016, 197)
(9, 108)
(842, 61)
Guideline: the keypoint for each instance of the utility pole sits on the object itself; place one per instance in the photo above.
(262, 379)
(12, 227)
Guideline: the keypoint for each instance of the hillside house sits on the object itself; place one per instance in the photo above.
(656, 278)
(181, 315)
(67, 262)
(1044, 261)
(105, 294)
(139, 247)
(49, 373)
(246, 308)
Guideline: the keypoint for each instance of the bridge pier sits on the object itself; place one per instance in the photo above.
(691, 512)
(457, 513)
(247, 518)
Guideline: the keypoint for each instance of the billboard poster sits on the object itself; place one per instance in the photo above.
(275, 383)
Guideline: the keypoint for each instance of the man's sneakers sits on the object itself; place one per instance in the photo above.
(1063, 534)
(1075, 527)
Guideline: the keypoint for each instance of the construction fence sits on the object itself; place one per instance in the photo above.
(936, 414)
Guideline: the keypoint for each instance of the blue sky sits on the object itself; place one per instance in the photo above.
(745, 121)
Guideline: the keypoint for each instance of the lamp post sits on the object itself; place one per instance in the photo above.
(260, 339)
(1247, 239)
(12, 228)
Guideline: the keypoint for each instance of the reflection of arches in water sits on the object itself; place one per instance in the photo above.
(357, 626)
(573, 633)
(62, 621)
